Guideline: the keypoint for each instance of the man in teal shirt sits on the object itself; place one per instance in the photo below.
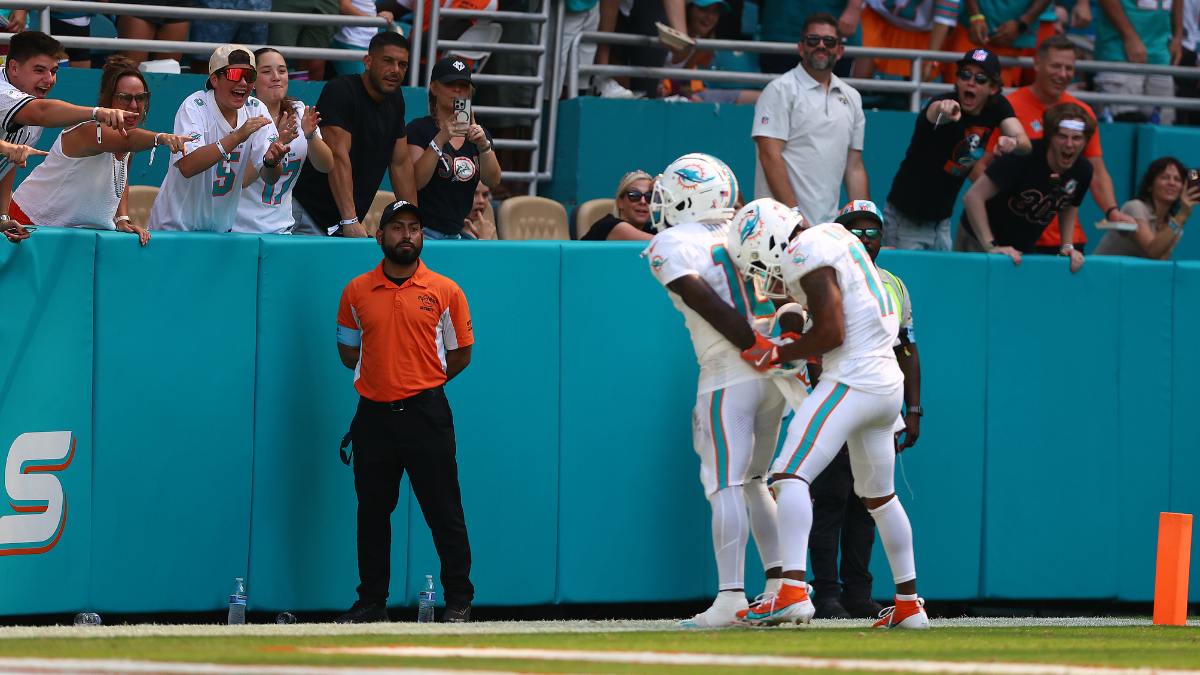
(1139, 31)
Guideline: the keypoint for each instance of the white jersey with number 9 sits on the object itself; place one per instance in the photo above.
(865, 360)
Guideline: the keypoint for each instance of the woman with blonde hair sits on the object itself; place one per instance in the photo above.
(82, 182)
(630, 217)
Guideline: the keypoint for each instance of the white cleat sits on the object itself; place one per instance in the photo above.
(610, 88)
(770, 610)
(888, 618)
(722, 614)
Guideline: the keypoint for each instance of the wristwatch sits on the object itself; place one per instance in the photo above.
(270, 165)
(916, 410)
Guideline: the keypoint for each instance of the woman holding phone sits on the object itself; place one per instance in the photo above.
(1161, 208)
(450, 152)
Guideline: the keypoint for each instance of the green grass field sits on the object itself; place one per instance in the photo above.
(1114, 646)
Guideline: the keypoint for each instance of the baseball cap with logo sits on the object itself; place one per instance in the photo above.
(220, 58)
(859, 208)
(451, 69)
(984, 59)
(396, 208)
(705, 3)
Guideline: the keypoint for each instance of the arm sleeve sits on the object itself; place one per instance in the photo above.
(349, 332)
(771, 114)
(945, 12)
(1137, 209)
(189, 122)
(336, 105)
(860, 125)
(11, 102)
(670, 260)
(457, 331)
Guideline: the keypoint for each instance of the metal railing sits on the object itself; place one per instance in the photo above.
(914, 87)
(169, 46)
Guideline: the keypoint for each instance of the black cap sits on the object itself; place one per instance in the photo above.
(395, 208)
(984, 59)
(451, 69)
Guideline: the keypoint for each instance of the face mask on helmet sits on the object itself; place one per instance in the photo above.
(757, 242)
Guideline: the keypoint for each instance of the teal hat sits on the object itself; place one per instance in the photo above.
(705, 3)
(859, 208)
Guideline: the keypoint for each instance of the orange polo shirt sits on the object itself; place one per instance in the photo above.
(403, 332)
(1029, 111)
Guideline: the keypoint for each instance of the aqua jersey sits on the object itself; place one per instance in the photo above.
(1152, 21)
(783, 19)
(1000, 11)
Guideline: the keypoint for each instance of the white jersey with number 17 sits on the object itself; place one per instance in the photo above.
(865, 360)
(267, 209)
(696, 248)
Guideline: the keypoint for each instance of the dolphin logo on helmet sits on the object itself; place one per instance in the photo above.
(696, 188)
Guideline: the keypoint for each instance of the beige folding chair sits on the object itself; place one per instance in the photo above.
(371, 221)
(141, 200)
(589, 212)
(524, 218)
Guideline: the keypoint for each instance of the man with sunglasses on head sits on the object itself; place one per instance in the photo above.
(231, 132)
(1017, 197)
(25, 80)
(808, 128)
(950, 136)
(840, 520)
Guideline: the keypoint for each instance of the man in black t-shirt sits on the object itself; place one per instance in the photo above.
(1010, 205)
(951, 135)
(362, 121)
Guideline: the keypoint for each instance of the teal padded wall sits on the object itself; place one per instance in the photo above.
(173, 419)
(46, 386)
(200, 378)
(506, 414)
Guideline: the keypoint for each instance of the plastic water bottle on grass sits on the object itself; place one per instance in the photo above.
(425, 607)
(237, 603)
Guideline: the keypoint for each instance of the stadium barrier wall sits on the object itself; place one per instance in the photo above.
(199, 378)
(596, 144)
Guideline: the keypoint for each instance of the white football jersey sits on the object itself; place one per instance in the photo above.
(695, 248)
(209, 200)
(865, 360)
(11, 101)
(267, 209)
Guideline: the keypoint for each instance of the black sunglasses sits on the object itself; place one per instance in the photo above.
(816, 40)
(980, 78)
(635, 196)
(872, 233)
(124, 98)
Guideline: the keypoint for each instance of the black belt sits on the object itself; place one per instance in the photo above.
(398, 405)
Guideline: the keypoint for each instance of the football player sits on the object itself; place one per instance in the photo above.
(738, 410)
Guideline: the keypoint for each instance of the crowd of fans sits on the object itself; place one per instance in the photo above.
(242, 147)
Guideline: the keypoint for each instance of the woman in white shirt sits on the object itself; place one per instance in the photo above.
(265, 208)
(82, 182)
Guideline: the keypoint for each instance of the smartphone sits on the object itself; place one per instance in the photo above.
(1193, 178)
(462, 111)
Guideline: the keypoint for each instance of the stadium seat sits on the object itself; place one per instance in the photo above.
(371, 221)
(524, 218)
(589, 212)
(483, 33)
(141, 199)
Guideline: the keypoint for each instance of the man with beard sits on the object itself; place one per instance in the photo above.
(405, 331)
(950, 137)
(362, 121)
(1006, 210)
(809, 126)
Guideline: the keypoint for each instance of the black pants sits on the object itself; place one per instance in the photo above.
(839, 513)
(419, 438)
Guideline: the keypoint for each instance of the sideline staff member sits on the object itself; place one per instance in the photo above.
(405, 331)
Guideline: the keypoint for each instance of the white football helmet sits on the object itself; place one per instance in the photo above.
(695, 188)
(758, 237)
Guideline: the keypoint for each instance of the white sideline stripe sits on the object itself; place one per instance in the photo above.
(31, 666)
(697, 659)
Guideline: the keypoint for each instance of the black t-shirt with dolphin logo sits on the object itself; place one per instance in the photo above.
(939, 160)
(447, 198)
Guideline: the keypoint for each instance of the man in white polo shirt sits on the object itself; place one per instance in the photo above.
(809, 126)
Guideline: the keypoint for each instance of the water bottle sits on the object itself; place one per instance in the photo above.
(87, 619)
(428, 595)
(237, 603)
(1154, 116)
(1108, 116)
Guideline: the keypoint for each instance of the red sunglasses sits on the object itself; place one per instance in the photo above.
(239, 74)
